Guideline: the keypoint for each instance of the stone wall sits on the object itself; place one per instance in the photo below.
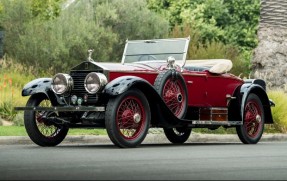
(270, 57)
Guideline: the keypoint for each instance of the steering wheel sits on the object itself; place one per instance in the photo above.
(148, 57)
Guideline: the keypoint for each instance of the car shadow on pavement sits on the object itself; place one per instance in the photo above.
(147, 145)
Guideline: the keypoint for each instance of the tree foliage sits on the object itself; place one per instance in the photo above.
(228, 21)
(61, 40)
(46, 9)
(1, 15)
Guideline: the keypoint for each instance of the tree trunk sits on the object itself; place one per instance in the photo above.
(270, 57)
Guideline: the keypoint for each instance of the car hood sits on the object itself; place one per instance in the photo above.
(100, 66)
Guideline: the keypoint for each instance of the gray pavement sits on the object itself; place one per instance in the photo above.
(150, 139)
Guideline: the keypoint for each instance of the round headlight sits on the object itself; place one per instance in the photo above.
(62, 83)
(95, 82)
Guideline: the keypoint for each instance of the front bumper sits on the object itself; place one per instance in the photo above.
(62, 109)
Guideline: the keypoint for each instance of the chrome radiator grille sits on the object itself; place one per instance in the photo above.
(79, 88)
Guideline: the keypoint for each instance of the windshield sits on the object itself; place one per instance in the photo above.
(156, 50)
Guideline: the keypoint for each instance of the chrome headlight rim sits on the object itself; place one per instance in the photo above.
(67, 81)
(98, 80)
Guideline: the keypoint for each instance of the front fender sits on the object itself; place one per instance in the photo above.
(41, 86)
(122, 84)
(257, 89)
(161, 114)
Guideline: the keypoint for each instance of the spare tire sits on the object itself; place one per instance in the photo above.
(171, 87)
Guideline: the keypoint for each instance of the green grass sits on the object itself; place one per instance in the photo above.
(20, 131)
(12, 131)
(220, 130)
(77, 131)
(280, 109)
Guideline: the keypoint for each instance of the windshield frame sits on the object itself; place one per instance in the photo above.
(181, 63)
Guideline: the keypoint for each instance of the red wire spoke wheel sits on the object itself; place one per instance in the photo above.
(253, 121)
(172, 88)
(174, 97)
(41, 131)
(127, 118)
(130, 117)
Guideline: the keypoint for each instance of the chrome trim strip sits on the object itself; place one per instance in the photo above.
(222, 123)
(134, 72)
(124, 54)
(185, 52)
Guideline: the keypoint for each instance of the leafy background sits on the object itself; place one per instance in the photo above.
(46, 37)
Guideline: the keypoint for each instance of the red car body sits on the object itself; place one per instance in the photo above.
(153, 86)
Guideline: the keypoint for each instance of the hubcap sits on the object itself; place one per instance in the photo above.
(258, 118)
(137, 117)
(179, 98)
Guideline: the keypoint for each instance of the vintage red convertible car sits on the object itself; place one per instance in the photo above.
(153, 86)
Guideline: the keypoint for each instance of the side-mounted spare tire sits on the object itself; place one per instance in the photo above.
(171, 87)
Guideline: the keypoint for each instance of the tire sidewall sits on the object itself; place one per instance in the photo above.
(177, 139)
(111, 116)
(242, 132)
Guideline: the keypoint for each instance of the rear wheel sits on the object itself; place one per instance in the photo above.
(253, 121)
(127, 118)
(177, 135)
(42, 132)
(172, 88)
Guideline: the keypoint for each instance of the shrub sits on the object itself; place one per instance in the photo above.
(18, 119)
(279, 111)
(7, 111)
(13, 77)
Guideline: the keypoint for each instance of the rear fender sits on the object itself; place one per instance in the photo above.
(257, 89)
(41, 86)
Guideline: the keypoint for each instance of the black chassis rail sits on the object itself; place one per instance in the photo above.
(62, 109)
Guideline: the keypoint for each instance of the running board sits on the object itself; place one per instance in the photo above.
(61, 109)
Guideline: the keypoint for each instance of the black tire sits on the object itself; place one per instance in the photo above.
(127, 118)
(177, 135)
(41, 133)
(172, 83)
(253, 121)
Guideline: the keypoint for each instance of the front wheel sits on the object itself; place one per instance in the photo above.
(42, 132)
(253, 121)
(177, 135)
(127, 118)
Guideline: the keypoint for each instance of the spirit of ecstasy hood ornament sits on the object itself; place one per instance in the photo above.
(90, 55)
